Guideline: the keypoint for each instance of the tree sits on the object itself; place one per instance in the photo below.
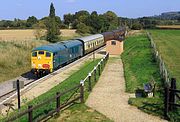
(31, 21)
(94, 21)
(68, 19)
(83, 29)
(136, 26)
(53, 29)
(52, 11)
(39, 29)
(112, 18)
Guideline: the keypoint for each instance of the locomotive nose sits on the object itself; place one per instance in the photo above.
(39, 57)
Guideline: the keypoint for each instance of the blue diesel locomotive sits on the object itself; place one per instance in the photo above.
(47, 58)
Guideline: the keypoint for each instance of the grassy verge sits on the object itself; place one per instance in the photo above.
(15, 57)
(73, 80)
(139, 67)
(138, 63)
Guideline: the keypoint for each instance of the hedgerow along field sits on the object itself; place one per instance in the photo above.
(168, 44)
(15, 50)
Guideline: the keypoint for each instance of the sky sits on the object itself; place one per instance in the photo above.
(22, 9)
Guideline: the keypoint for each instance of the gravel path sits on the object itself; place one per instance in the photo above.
(109, 97)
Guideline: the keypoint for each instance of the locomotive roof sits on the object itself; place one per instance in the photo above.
(89, 38)
(58, 46)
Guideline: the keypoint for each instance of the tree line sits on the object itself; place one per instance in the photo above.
(84, 22)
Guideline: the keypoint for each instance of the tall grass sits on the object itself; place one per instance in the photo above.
(15, 57)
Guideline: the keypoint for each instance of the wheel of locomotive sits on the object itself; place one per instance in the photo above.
(47, 72)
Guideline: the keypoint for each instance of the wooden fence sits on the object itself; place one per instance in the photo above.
(172, 98)
(171, 94)
(92, 76)
(165, 75)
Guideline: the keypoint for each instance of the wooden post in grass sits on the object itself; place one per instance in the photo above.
(166, 102)
(94, 74)
(82, 91)
(57, 102)
(102, 64)
(99, 68)
(18, 94)
(89, 82)
(30, 113)
(172, 94)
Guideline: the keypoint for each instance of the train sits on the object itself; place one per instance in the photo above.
(48, 58)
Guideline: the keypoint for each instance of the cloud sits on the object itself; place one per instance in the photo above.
(71, 1)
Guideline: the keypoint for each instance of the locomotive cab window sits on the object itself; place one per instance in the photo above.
(34, 54)
(41, 52)
(48, 54)
(113, 42)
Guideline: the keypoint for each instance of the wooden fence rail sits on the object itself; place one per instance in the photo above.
(165, 75)
(171, 97)
(57, 97)
(171, 94)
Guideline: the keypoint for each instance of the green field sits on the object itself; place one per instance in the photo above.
(168, 44)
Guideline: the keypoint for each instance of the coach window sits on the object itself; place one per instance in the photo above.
(34, 54)
(113, 42)
(48, 54)
(41, 52)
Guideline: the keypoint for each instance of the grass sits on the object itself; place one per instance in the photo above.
(168, 45)
(15, 57)
(138, 63)
(15, 54)
(139, 67)
(80, 113)
(73, 80)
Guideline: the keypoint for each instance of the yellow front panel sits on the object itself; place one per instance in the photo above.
(42, 60)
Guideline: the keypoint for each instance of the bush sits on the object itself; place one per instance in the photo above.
(83, 29)
(136, 26)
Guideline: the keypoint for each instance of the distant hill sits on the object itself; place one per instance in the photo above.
(169, 16)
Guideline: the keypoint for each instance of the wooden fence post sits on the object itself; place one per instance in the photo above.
(89, 81)
(82, 91)
(94, 74)
(58, 102)
(172, 94)
(99, 69)
(166, 102)
(30, 113)
(102, 64)
(18, 94)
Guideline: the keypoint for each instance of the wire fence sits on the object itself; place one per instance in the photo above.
(165, 74)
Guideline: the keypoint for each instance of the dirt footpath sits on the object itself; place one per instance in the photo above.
(109, 97)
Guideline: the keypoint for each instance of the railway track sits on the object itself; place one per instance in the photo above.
(6, 89)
